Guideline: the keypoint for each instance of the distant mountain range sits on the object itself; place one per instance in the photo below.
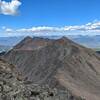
(7, 43)
(4, 48)
(10, 41)
(88, 41)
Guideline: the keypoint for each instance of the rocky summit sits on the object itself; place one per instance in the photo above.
(60, 64)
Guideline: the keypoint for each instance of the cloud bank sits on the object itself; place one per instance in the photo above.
(9, 8)
(92, 28)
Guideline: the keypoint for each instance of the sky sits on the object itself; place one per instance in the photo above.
(49, 17)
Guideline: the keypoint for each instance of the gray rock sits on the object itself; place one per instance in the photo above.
(13, 89)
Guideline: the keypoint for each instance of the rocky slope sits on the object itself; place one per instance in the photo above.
(11, 88)
(59, 63)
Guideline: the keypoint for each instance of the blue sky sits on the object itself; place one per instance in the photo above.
(46, 15)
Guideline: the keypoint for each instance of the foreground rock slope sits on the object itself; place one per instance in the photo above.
(58, 63)
(11, 88)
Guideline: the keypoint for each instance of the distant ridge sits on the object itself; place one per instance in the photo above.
(59, 63)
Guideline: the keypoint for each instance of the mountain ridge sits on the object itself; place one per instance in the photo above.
(84, 40)
(59, 63)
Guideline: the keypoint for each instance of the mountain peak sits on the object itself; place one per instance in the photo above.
(29, 43)
(28, 38)
(58, 63)
(25, 41)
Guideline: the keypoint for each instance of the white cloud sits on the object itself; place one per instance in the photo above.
(40, 29)
(92, 28)
(9, 8)
(8, 30)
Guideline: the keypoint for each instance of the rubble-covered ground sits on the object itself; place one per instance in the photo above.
(13, 88)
